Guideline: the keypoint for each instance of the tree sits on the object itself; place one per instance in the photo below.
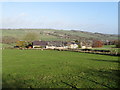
(76, 41)
(97, 43)
(79, 46)
(21, 43)
(31, 36)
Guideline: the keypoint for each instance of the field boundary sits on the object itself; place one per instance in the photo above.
(90, 51)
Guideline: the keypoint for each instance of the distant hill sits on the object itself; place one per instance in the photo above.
(63, 35)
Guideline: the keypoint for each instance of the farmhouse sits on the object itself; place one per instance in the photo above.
(61, 45)
(55, 45)
(86, 45)
(39, 44)
(71, 45)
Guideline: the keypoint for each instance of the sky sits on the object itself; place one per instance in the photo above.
(99, 17)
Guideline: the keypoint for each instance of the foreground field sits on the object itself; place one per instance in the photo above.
(58, 69)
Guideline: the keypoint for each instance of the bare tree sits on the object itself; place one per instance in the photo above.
(9, 40)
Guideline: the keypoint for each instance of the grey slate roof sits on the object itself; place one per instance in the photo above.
(39, 43)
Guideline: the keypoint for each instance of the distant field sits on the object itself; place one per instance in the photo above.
(58, 69)
(108, 47)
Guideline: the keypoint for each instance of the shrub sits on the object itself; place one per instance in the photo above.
(118, 44)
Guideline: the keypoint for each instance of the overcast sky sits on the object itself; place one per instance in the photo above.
(99, 17)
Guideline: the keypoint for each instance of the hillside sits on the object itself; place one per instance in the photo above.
(52, 34)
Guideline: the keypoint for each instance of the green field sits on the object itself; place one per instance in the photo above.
(58, 69)
(112, 48)
(109, 46)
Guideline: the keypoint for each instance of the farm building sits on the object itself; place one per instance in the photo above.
(86, 45)
(39, 44)
(55, 45)
(71, 45)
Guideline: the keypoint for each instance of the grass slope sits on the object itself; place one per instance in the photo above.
(58, 69)
(20, 33)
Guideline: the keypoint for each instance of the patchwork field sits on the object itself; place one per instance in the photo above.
(58, 69)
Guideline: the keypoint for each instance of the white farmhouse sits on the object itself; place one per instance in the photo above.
(50, 47)
(73, 46)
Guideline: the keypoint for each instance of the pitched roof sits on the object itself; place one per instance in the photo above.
(40, 43)
(55, 43)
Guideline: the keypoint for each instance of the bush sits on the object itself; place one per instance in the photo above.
(118, 44)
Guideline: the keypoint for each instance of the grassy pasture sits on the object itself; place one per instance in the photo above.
(20, 33)
(58, 69)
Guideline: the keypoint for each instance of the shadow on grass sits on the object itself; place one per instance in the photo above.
(72, 86)
(105, 60)
(109, 79)
(11, 81)
(103, 78)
